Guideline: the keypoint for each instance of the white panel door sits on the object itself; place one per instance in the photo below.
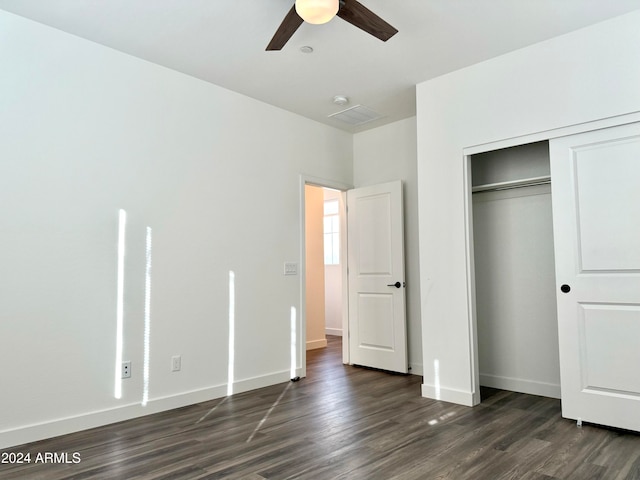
(377, 324)
(596, 220)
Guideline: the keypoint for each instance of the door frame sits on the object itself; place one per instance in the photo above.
(467, 152)
(302, 317)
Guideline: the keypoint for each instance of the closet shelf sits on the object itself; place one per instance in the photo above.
(525, 182)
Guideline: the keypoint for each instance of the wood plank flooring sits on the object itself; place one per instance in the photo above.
(344, 422)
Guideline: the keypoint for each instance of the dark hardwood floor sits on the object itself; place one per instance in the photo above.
(344, 422)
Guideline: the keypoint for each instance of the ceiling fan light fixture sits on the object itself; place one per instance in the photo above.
(317, 12)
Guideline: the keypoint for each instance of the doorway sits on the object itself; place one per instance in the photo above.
(323, 287)
(373, 298)
(514, 267)
(323, 260)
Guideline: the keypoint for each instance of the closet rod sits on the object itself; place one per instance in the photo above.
(525, 182)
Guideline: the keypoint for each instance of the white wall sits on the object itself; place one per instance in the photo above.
(580, 77)
(333, 284)
(333, 299)
(87, 131)
(314, 267)
(381, 155)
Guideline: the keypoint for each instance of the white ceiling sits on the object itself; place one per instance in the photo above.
(223, 42)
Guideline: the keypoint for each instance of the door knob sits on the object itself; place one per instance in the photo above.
(565, 288)
(397, 285)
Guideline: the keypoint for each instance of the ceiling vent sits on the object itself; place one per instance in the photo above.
(357, 115)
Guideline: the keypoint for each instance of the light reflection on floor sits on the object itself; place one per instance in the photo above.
(266, 415)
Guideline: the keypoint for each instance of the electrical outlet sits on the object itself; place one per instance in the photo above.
(126, 369)
(176, 363)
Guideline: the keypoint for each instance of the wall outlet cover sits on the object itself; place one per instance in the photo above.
(126, 369)
(176, 363)
(290, 268)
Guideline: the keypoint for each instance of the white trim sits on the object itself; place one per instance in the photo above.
(315, 344)
(471, 282)
(553, 133)
(99, 418)
(344, 265)
(323, 182)
(262, 381)
(521, 385)
(449, 395)
(333, 331)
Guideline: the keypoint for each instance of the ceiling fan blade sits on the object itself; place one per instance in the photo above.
(286, 29)
(360, 16)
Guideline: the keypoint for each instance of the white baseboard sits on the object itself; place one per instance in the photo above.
(62, 426)
(520, 385)
(468, 399)
(313, 344)
(333, 331)
(262, 381)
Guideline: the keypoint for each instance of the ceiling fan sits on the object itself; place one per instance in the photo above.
(350, 10)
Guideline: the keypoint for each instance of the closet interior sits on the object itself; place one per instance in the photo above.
(515, 270)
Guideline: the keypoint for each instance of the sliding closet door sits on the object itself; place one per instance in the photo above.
(596, 213)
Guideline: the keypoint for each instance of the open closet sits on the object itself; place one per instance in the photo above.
(515, 270)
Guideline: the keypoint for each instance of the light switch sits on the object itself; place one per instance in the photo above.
(290, 268)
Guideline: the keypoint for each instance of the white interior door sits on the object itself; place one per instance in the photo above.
(596, 220)
(377, 323)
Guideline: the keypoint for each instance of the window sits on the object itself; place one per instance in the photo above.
(331, 233)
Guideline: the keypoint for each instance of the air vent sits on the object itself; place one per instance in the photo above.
(357, 115)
